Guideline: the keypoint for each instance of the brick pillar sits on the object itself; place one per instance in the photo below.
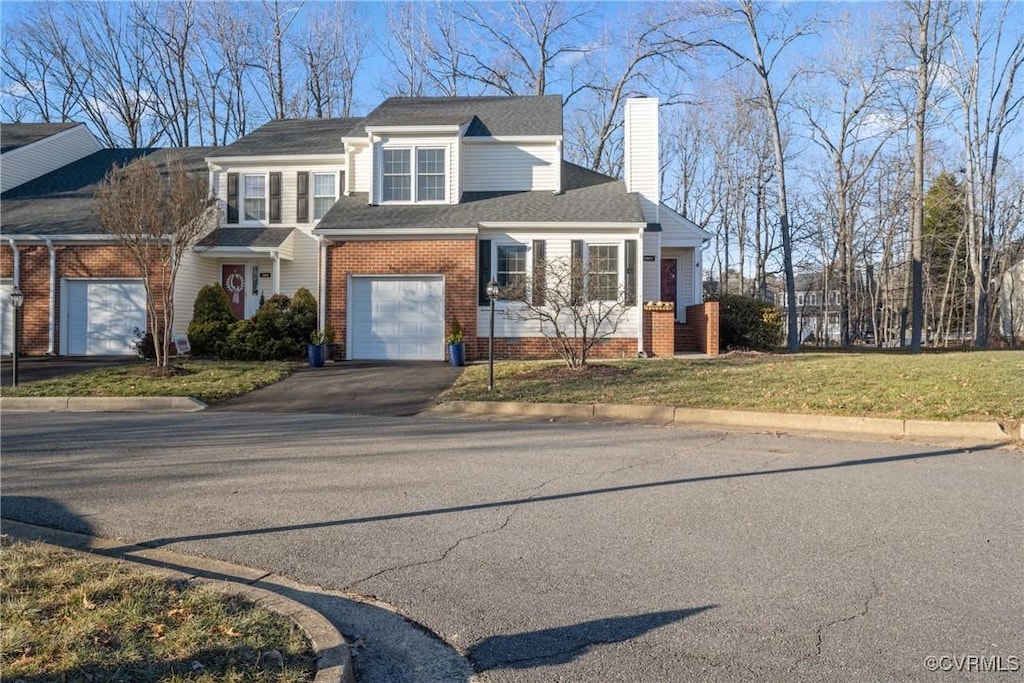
(659, 328)
(704, 318)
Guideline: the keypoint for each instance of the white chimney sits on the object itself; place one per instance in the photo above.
(642, 165)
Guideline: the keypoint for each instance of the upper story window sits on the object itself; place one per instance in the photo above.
(396, 182)
(254, 193)
(603, 272)
(324, 194)
(430, 175)
(413, 175)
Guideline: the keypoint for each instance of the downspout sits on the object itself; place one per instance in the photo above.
(322, 285)
(52, 322)
(275, 271)
(16, 271)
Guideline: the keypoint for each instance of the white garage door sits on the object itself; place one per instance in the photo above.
(102, 316)
(396, 318)
(6, 318)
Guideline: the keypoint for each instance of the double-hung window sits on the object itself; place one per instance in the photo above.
(396, 181)
(254, 193)
(511, 270)
(603, 272)
(429, 175)
(324, 194)
(413, 175)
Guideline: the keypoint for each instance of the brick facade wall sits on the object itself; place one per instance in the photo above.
(659, 329)
(455, 259)
(704, 319)
(73, 261)
(539, 348)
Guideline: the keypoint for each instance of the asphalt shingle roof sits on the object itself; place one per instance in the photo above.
(61, 202)
(15, 135)
(292, 136)
(246, 237)
(487, 116)
(587, 196)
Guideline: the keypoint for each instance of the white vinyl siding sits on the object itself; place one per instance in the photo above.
(641, 154)
(362, 168)
(42, 156)
(324, 194)
(289, 190)
(651, 275)
(194, 273)
(302, 270)
(492, 167)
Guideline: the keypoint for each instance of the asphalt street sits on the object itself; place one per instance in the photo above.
(546, 551)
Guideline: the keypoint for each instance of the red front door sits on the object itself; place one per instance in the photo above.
(668, 279)
(232, 279)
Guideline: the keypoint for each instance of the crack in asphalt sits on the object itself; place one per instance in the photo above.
(665, 458)
(434, 560)
(819, 642)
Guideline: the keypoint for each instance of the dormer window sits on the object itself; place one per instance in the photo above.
(396, 185)
(398, 169)
(430, 175)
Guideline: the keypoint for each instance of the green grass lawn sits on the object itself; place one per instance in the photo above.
(209, 381)
(67, 617)
(950, 386)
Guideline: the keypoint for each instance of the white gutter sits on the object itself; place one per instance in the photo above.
(52, 322)
(420, 233)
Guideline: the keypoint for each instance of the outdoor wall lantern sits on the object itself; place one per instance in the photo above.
(17, 299)
(493, 292)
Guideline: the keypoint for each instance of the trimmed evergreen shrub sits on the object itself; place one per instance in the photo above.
(212, 319)
(279, 330)
(748, 323)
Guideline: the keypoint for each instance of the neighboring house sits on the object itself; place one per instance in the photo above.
(83, 292)
(429, 199)
(1011, 305)
(818, 304)
(29, 150)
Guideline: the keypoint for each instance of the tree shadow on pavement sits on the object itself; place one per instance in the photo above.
(565, 643)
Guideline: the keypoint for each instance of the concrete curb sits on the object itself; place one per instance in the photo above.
(333, 659)
(97, 404)
(832, 425)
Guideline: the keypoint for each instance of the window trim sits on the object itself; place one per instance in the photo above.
(413, 151)
(526, 272)
(620, 275)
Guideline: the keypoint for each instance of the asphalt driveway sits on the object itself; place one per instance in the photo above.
(395, 389)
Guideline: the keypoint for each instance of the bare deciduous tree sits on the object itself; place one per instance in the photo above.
(571, 306)
(158, 214)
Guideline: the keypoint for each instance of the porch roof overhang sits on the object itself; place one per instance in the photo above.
(247, 243)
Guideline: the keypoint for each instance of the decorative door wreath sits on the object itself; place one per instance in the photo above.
(234, 283)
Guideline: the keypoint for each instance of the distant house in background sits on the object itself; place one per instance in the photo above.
(818, 305)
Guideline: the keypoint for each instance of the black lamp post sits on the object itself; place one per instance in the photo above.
(493, 291)
(17, 299)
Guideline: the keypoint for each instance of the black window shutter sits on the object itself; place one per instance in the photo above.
(232, 197)
(483, 273)
(275, 197)
(577, 272)
(302, 198)
(539, 272)
(630, 273)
